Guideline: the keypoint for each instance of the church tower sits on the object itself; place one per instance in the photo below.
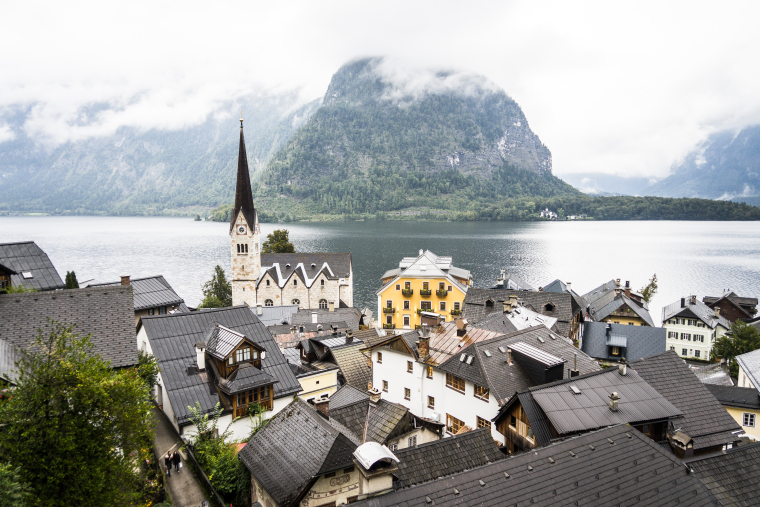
(245, 246)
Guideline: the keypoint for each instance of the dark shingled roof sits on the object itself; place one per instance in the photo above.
(377, 423)
(149, 292)
(565, 305)
(27, 257)
(9, 355)
(705, 420)
(348, 317)
(104, 312)
(633, 470)
(504, 380)
(353, 364)
(642, 341)
(732, 396)
(345, 396)
(243, 193)
(733, 476)
(448, 456)
(173, 338)
(696, 309)
(293, 448)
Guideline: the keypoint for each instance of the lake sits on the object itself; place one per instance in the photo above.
(702, 258)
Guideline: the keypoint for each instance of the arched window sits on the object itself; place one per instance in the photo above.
(323, 304)
(268, 302)
(295, 302)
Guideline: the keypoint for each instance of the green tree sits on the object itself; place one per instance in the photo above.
(217, 292)
(648, 292)
(743, 338)
(278, 242)
(74, 426)
(15, 493)
(71, 281)
(147, 369)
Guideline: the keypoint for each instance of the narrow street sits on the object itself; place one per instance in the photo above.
(184, 488)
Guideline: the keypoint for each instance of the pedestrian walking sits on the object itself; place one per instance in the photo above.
(175, 460)
(168, 464)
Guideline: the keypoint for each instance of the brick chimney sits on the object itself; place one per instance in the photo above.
(627, 288)
(125, 280)
(323, 406)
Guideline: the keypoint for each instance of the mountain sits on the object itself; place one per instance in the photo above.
(726, 166)
(153, 171)
(387, 139)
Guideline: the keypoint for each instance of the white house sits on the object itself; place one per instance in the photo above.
(692, 327)
(462, 378)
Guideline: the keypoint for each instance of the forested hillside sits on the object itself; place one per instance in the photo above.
(145, 172)
(375, 146)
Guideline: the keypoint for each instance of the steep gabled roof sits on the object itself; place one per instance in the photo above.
(444, 457)
(732, 475)
(694, 308)
(705, 420)
(585, 470)
(293, 448)
(173, 338)
(243, 193)
(31, 264)
(149, 292)
(750, 363)
(353, 364)
(104, 312)
(488, 365)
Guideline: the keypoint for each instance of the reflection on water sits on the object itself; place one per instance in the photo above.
(688, 257)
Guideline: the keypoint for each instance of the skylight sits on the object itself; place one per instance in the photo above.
(575, 389)
(27, 274)
(488, 354)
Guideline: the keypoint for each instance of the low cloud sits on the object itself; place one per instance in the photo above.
(6, 133)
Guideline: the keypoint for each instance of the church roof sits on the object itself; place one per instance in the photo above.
(243, 194)
(306, 266)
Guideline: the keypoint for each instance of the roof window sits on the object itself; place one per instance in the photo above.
(488, 354)
(575, 390)
(27, 274)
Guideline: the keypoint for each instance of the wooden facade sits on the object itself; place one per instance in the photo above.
(515, 427)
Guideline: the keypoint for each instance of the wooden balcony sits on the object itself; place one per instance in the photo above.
(389, 309)
(425, 292)
(441, 293)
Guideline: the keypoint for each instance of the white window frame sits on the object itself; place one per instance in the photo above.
(748, 416)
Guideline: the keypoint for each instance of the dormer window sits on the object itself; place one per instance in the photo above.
(549, 307)
(243, 354)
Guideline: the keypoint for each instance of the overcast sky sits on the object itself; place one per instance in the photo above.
(613, 87)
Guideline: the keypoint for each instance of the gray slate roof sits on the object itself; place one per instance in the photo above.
(641, 341)
(275, 315)
(28, 257)
(732, 476)
(705, 420)
(444, 457)
(502, 379)
(733, 396)
(697, 309)
(149, 292)
(347, 395)
(9, 355)
(348, 316)
(750, 363)
(603, 307)
(294, 447)
(634, 470)
(569, 412)
(173, 338)
(353, 364)
(713, 374)
(353, 410)
(104, 312)
(565, 305)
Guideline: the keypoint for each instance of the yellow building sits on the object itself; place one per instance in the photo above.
(425, 289)
(743, 403)
(318, 385)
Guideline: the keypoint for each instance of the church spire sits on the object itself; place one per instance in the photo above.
(243, 195)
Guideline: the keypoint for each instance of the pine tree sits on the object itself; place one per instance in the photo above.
(71, 281)
(217, 292)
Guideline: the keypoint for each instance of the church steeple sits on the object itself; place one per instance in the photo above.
(243, 194)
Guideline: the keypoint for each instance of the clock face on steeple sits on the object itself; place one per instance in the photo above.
(241, 229)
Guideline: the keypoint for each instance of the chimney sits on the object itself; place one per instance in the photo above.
(627, 291)
(461, 326)
(314, 317)
(693, 299)
(627, 284)
(349, 337)
(622, 367)
(125, 280)
(717, 312)
(331, 306)
(323, 406)
(200, 356)
(500, 278)
(423, 346)
(513, 299)
(374, 395)
(614, 399)
(608, 329)
(509, 356)
(334, 329)
(569, 286)
(259, 310)
(683, 302)
(574, 372)
(293, 330)
(421, 251)
(618, 292)
(617, 282)
(507, 306)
